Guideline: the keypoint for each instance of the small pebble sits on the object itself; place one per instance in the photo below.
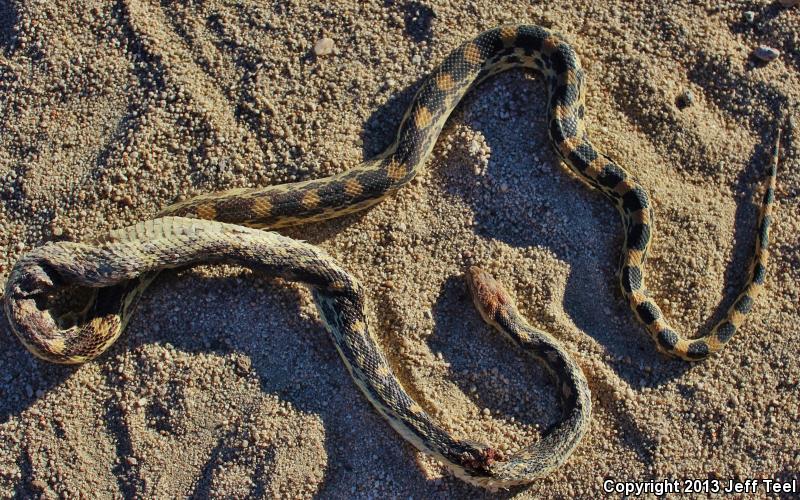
(749, 16)
(766, 54)
(789, 3)
(323, 47)
(686, 99)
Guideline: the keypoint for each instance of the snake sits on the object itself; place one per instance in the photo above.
(235, 226)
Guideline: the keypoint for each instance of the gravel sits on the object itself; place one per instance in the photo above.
(767, 54)
(324, 47)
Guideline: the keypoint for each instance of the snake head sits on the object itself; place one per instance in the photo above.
(491, 300)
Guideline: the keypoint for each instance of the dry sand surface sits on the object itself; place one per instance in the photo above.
(226, 384)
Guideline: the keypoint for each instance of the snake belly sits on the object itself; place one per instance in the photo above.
(180, 236)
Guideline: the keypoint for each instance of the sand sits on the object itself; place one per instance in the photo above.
(225, 382)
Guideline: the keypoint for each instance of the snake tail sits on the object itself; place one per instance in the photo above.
(639, 227)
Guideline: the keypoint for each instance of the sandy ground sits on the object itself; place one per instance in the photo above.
(226, 384)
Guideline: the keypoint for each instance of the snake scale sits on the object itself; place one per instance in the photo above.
(226, 227)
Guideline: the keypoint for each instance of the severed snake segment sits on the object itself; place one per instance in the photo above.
(212, 228)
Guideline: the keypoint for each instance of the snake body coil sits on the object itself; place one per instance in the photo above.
(170, 242)
(181, 237)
